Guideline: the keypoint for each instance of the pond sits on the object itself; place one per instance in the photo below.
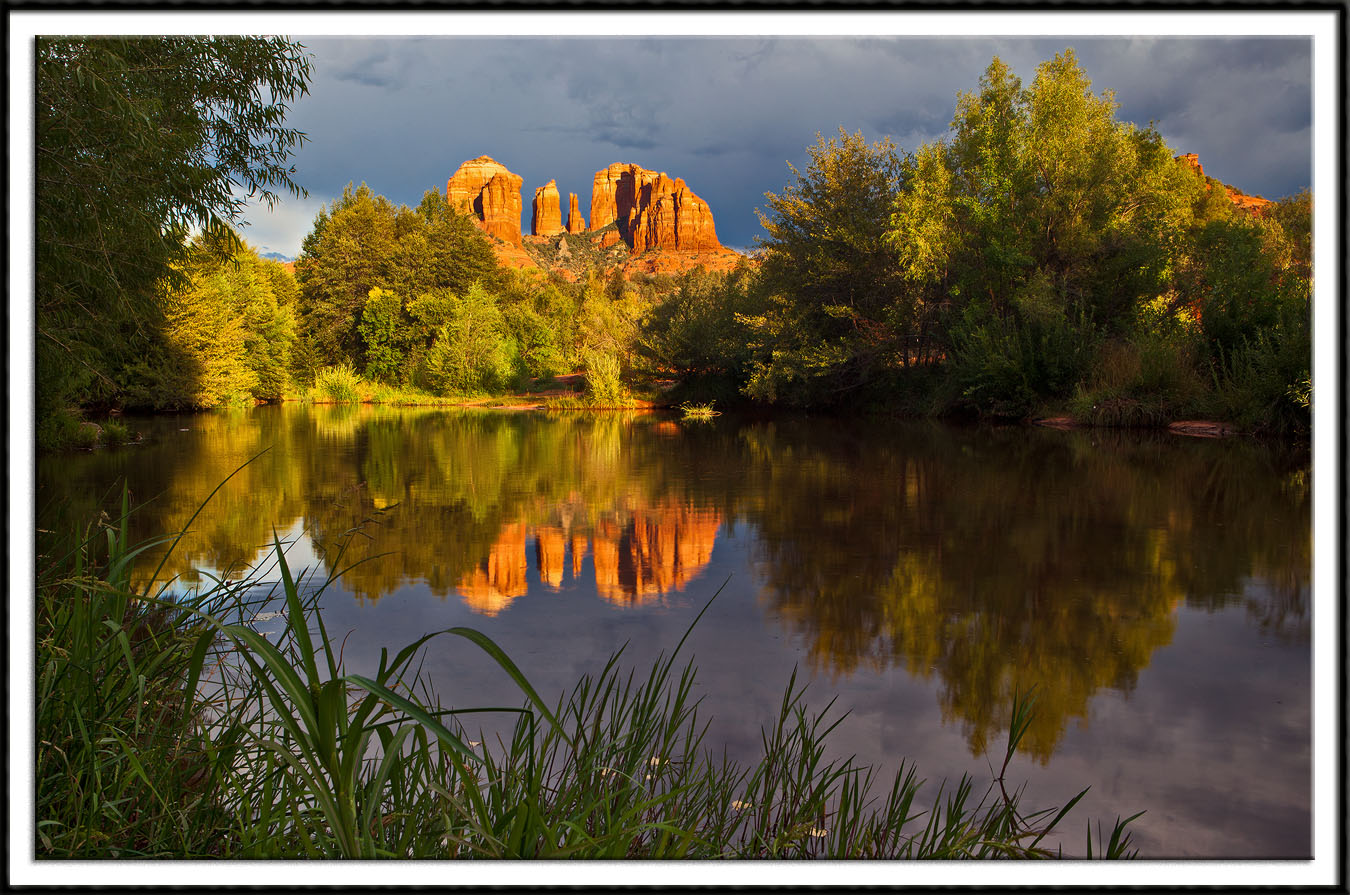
(1153, 589)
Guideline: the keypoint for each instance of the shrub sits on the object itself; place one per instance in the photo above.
(1146, 380)
(338, 385)
(1006, 367)
(115, 432)
(603, 384)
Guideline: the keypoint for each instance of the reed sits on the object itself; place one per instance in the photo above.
(169, 725)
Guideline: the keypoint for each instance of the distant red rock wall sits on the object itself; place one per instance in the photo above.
(486, 188)
(652, 210)
(546, 216)
(1252, 204)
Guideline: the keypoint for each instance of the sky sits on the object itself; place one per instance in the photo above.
(728, 114)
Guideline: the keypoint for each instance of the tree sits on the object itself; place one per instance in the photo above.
(836, 300)
(224, 335)
(139, 141)
(1041, 224)
(363, 241)
(471, 351)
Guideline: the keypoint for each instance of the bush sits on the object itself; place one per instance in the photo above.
(1007, 368)
(338, 385)
(115, 432)
(603, 384)
(1146, 380)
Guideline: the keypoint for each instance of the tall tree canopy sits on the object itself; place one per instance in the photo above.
(829, 274)
(363, 242)
(139, 142)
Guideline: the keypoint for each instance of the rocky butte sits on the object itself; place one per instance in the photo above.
(575, 222)
(546, 211)
(652, 210)
(484, 187)
(659, 219)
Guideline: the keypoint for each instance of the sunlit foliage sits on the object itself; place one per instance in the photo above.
(139, 141)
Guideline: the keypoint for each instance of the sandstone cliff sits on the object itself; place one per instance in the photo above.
(486, 188)
(652, 210)
(641, 222)
(546, 216)
(575, 222)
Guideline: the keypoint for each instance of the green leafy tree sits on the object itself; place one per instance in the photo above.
(350, 252)
(1042, 223)
(695, 332)
(836, 308)
(362, 241)
(140, 140)
(472, 350)
(384, 332)
(224, 337)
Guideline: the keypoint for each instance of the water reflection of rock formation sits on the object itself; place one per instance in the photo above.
(500, 578)
(639, 556)
(658, 551)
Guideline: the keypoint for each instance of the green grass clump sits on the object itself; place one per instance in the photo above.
(338, 385)
(692, 411)
(170, 726)
(115, 432)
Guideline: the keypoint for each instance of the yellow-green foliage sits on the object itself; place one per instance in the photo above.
(225, 335)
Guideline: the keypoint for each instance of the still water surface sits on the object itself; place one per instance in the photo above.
(1153, 588)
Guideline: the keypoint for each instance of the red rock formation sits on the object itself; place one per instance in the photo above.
(653, 210)
(575, 222)
(546, 216)
(486, 188)
(674, 219)
(1250, 204)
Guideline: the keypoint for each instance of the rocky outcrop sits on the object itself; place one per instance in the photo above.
(575, 222)
(485, 188)
(1251, 204)
(642, 222)
(651, 210)
(546, 211)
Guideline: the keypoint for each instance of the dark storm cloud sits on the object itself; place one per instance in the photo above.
(728, 114)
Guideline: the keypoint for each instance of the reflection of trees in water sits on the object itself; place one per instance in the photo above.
(1003, 559)
(991, 559)
(169, 477)
(475, 492)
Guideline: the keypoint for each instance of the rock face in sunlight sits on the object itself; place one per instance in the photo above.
(660, 224)
(546, 216)
(1251, 204)
(652, 210)
(575, 222)
(491, 193)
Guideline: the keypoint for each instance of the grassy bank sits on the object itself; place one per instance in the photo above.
(170, 726)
